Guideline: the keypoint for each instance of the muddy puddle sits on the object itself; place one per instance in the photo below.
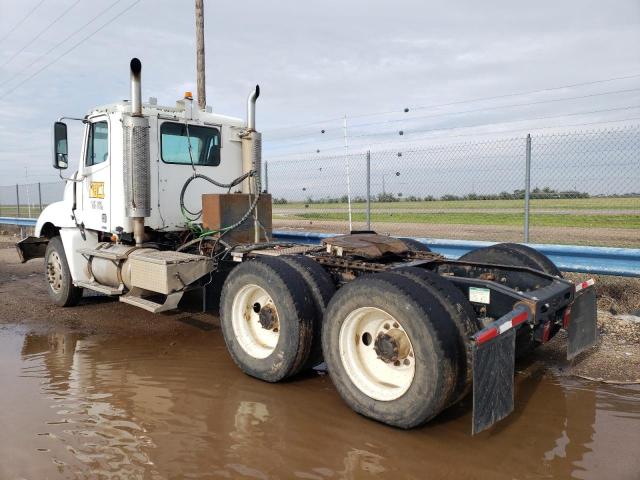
(93, 406)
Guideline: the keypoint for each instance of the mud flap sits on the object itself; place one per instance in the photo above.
(31, 247)
(493, 372)
(582, 328)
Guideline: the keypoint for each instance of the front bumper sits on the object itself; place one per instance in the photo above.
(31, 247)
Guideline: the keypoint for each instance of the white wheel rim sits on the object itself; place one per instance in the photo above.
(54, 272)
(376, 378)
(256, 340)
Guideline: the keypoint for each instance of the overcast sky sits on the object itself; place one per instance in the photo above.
(317, 60)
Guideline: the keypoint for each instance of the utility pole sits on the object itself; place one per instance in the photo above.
(202, 96)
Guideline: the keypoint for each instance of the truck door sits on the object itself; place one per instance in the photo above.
(96, 212)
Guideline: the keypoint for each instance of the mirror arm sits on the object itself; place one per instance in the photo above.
(83, 120)
(69, 179)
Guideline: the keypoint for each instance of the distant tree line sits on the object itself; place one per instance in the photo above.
(536, 193)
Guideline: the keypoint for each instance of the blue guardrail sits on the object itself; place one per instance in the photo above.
(569, 258)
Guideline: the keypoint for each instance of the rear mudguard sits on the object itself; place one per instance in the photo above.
(493, 354)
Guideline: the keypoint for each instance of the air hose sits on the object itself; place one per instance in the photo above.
(196, 215)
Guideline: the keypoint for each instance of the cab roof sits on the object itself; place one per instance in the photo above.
(179, 111)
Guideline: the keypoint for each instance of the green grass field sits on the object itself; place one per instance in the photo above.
(595, 203)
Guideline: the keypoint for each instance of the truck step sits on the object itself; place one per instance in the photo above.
(134, 298)
(97, 287)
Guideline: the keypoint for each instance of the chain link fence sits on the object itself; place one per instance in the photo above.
(28, 200)
(583, 188)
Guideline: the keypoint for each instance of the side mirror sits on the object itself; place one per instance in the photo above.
(60, 146)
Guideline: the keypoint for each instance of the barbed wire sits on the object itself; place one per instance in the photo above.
(460, 102)
(415, 133)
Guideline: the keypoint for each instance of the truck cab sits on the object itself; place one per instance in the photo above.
(127, 172)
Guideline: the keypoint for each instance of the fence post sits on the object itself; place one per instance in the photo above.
(18, 200)
(39, 196)
(527, 189)
(266, 176)
(368, 189)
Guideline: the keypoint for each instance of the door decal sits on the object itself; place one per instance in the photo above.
(96, 190)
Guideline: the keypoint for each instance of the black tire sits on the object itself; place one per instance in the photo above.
(461, 312)
(512, 254)
(433, 337)
(415, 245)
(497, 255)
(60, 285)
(295, 311)
(322, 288)
(537, 260)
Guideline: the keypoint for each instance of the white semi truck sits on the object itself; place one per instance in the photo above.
(168, 199)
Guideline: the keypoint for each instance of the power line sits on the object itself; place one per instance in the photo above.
(287, 157)
(546, 117)
(102, 12)
(458, 102)
(24, 19)
(513, 105)
(66, 52)
(410, 132)
(444, 114)
(42, 32)
(472, 126)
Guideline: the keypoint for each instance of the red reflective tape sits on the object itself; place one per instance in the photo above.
(486, 335)
(585, 284)
(520, 318)
(546, 332)
(566, 317)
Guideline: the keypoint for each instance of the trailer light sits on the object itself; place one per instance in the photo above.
(188, 95)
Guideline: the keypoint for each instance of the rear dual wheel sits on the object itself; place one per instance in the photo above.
(392, 350)
(271, 315)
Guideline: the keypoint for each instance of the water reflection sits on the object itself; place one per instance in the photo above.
(122, 407)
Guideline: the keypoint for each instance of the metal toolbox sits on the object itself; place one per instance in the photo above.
(167, 271)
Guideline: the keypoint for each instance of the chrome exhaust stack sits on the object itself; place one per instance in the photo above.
(251, 109)
(251, 142)
(252, 156)
(137, 160)
(136, 87)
